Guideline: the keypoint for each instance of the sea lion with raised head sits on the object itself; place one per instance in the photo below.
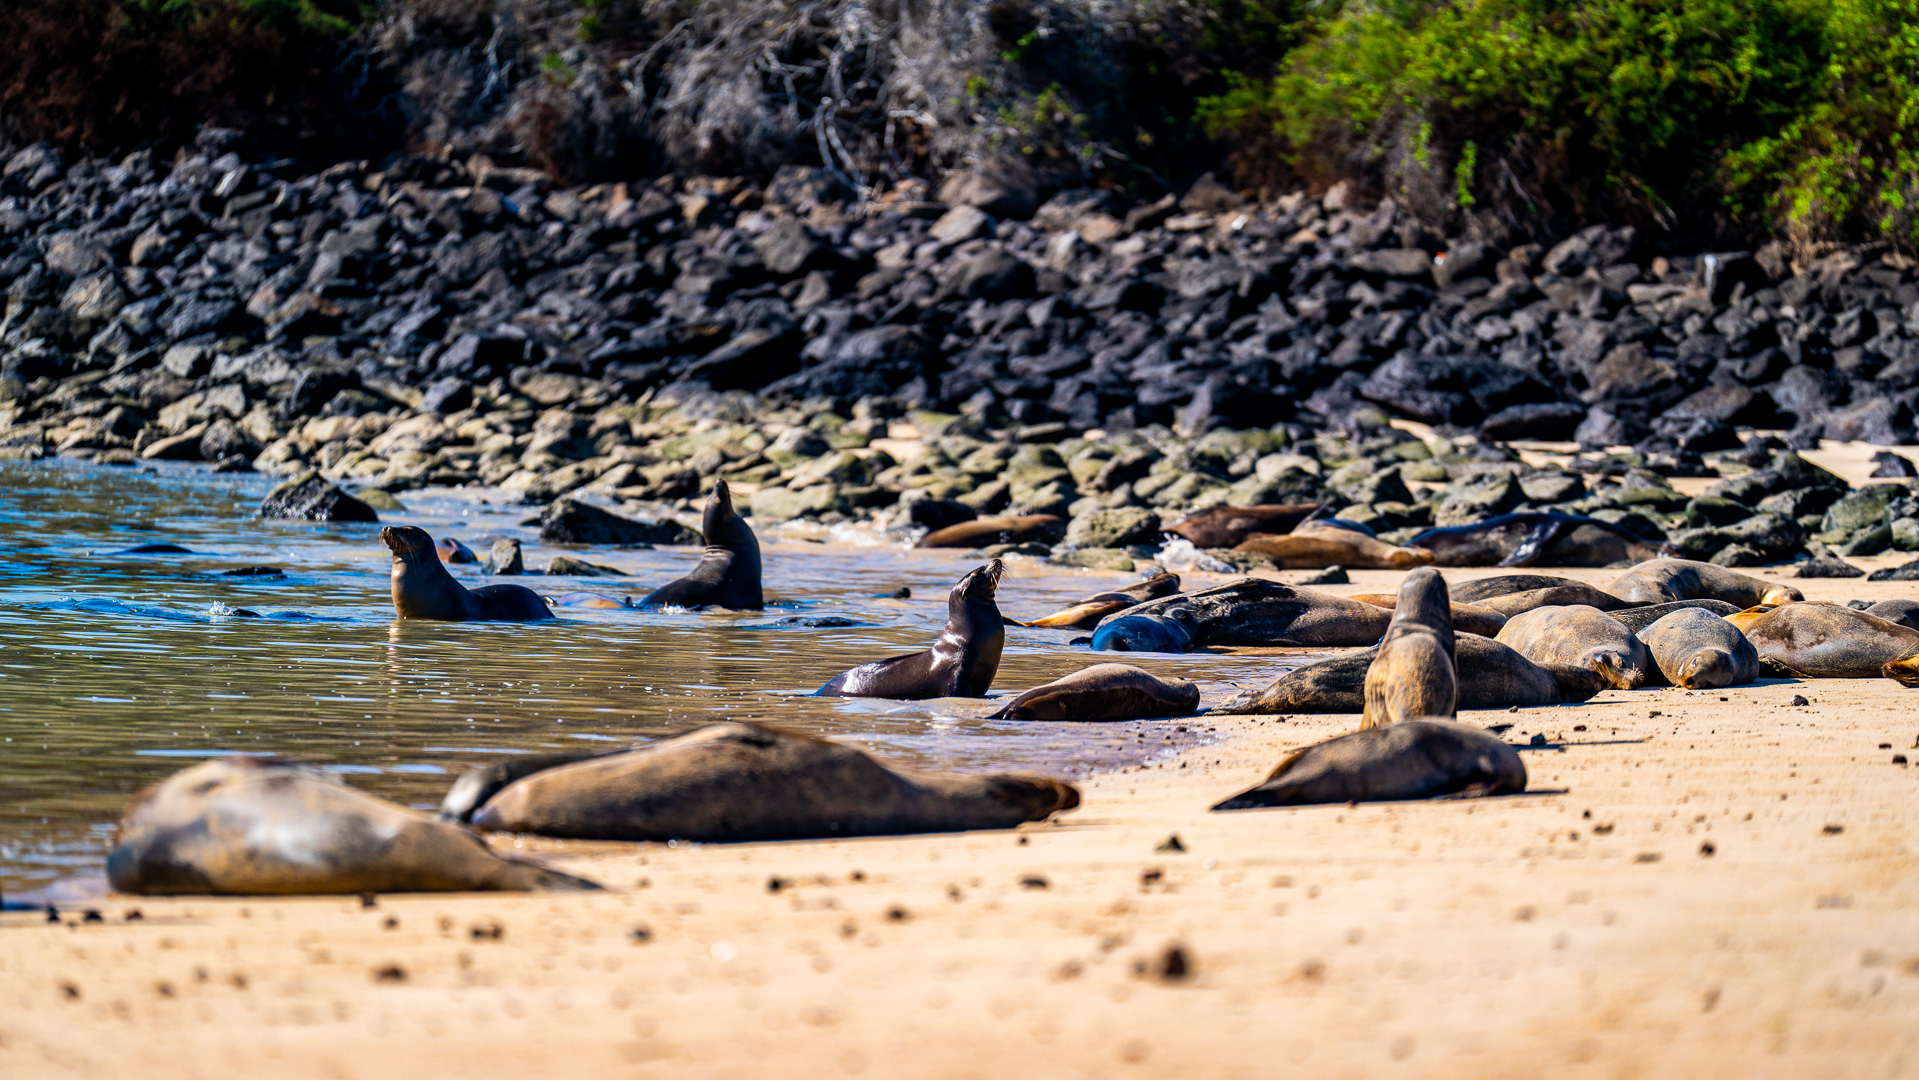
(1414, 759)
(1831, 641)
(475, 786)
(251, 826)
(1227, 526)
(1104, 692)
(1491, 676)
(735, 782)
(1583, 637)
(1316, 545)
(1661, 581)
(728, 575)
(1638, 618)
(1537, 539)
(1087, 613)
(961, 663)
(1041, 528)
(1697, 650)
(422, 588)
(1412, 671)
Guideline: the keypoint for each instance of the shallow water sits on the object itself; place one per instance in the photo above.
(118, 669)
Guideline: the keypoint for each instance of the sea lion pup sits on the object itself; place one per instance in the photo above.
(1412, 671)
(1226, 526)
(1583, 637)
(1698, 650)
(1832, 641)
(452, 551)
(1661, 581)
(1903, 612)
(1415, 759)
(1491, 676)
(1104, 692)
(961, 663)
(1045, 528)
(1638, 618)
(1087, 613)
(477, 785)
(729, 573)
(1467, 618)
(249, 826)
(1537, 539)
(739, 782)
(422, 588)
(1316, 545)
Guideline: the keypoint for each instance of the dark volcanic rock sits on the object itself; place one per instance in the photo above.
(309, 498)
(1907, 572)
(1886, 463)
(568, 521)
(1552, 422)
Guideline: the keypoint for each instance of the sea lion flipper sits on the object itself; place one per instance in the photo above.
(1528, 551)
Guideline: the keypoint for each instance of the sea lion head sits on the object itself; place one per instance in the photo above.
(980, 583)
(722, 524)
(1710, 669)
(409, 544)
(1142, 633)
(1744, 619)
(1904, 671)
(1781, 594)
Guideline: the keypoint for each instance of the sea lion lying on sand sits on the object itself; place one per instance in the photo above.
(1104, 692)
(961, 663)
(1583, 637)
(1903, 612)
(1226, 526)
(1832, 641)
(422, 588)
(1467, 618)
(1536, 539)
(1416, 759)
(1638, 618)
(250, 826)
(476, 786)
(1087, 613)
(1316, 545)
(1479, 590)
(1412, 670)
(734, 782)
(1045, 528)
(1698, 650)
(1253, 611)
(1491, 676)
(1661, 581)
(728, 575)
(1574, 595)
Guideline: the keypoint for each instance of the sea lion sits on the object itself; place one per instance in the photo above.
(1638, 618)
(452, 551)
(1743, 620)
(422, 589)
(1227, 526)
(1250, 611)
(154, 547)
(1832, 641)
(1467, 618)
(1416, 759)
(1104, 692)
(1491, 676)
(961, 663)
(1698, 650)
(1479, 590)
(728, 575)
(251, 826)
(1316, 545)
(733, 782)
(591, 601)
(1412, 671)
(1659, 581)
(1126, 632)
(1577, 594)
(1903, 612)
(1536, 539)
(1044, 528)
(1087, 613)
(476, 786)
(1583, 637)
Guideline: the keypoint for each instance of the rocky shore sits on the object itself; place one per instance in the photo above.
(928, 356)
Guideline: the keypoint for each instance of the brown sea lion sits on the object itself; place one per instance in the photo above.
(728, 575)
(476, 786)
(422, 589)
(1316, 545)
(1537, 539)
(1467, 618)
(1743, 620)
(1583, 637)
(741, 782)
(1491, 676)
(961, 663)
(1415, 759)
(251, 826)
(1574, 595)
(1903, 612)
(1698, 650)
(1044, 528)
(1249, 611)
(1637, 619)
(1087, 613)
(1104, 692)
(1832, 641)
(452, 551)
(1660, 581)
(1412, 670)
(1227, 526)
(1480, 589)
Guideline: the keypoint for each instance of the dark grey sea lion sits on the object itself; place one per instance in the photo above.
(743, 782)
(1126, 632)
(1252, 611)
(1660, 581)
(452, 551)
(961, 663)
(1698, 650)
(1412, 674)
(1831, 641)
(1316, 545)
(729, 573)
(1479, 590)
(1467, 618)
(1582, 637)
(1637, 619)
(1903, 612)
(1087, 613)
(1415, 759)
(1574, 595)
(1491, 676)
(476, 786)
(249, 826)
(1104, 692)
(422, 588)
(153, 548)
(1226, 526)
(1536, 539)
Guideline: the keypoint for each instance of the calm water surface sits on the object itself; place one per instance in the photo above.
(117, 669)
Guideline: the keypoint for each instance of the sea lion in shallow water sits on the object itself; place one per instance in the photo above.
(1316, 545)
(422, 588)
(1697, 650)
(1044, 528)
(1104, 692)
(961, 663)
(1416, 759)
(1583, 637)
(1227, 526)
(1412, 670)
(250, 826)
(1638, 618)
(1491, 676)
(1086, 614)
(1537, 539)
(741, 782)
(592, 601)
(1661, 581)
(1831, 641)
(728, 575)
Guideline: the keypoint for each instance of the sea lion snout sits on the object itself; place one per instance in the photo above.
(406, 541)
(984, 580)
(1904, 671)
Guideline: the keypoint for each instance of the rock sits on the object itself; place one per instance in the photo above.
(224, 439)
(182, 447)
(960, 224)
(1828, 566)
(993, 277)
(1473, 501)
(1117, 528)
(1409, 263)
(307, 497)
(380, 499)
(1095, 558)
(785, 504)
(1907, 572)
(1332, 575)
(1555, 421)
(788, 250)
(1859, 509)
(505, 559)
(569, 521)
(1885, 463)
(1904, 533)
(568, 566)
(1005, 187)
(449, 395)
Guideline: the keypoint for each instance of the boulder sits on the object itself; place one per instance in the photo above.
(307, 497)
(569, 521)
(1117, 528)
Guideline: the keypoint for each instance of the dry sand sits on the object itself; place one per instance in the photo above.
(1698, 884)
